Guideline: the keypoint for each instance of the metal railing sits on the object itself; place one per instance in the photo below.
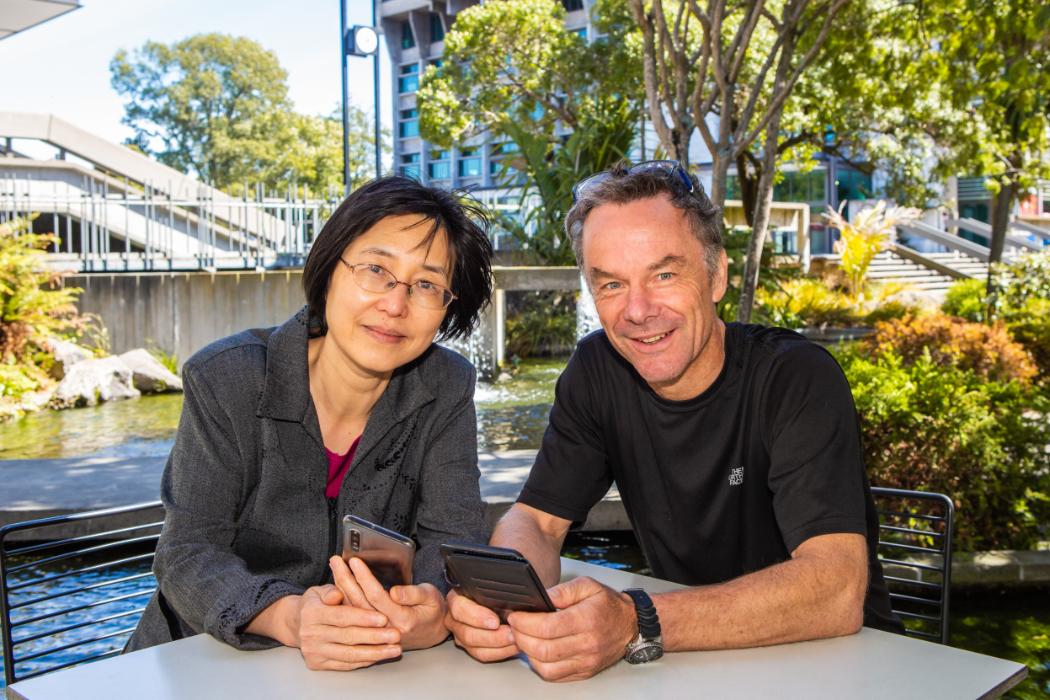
(915, 548)
(76, 598)
(107, 225)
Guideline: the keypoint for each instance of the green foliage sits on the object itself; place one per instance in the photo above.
(966, 299)
(542, 323)
(169, 359)
(34, 306)
(1021, 301)
(513, 63)
(804, 302)
(736, 240)
(552, 169)
(217, 106)
(941, 428)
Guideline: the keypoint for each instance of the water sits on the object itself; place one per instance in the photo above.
(512, 414)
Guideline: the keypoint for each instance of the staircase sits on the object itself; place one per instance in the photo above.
(890, 266)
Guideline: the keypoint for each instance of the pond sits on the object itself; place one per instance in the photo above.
(512, 414)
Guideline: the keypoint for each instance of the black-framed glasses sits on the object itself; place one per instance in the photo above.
(379, 280)
(672, 168)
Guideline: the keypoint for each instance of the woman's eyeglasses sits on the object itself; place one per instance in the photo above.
(379, 280)
(672, 168)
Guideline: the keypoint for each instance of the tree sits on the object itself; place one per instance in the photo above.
(994, 56)
(737, 63)
(513, 73)
(217, 106)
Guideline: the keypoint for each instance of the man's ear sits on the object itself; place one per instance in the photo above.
(720, 278)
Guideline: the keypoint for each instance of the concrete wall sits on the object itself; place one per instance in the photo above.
(182, 312)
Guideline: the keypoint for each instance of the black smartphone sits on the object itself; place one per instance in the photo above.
(496, 577)
(389, 554)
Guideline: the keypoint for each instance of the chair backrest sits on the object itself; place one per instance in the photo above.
(915, 547)
(72, 587)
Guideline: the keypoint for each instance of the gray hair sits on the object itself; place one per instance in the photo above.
(623, 187)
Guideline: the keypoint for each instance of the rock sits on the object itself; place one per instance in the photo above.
(92, 381)
(66, 355)
(150, 376)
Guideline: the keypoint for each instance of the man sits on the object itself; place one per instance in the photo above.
(735, 449)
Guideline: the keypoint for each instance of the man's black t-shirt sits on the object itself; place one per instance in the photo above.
(726, 483)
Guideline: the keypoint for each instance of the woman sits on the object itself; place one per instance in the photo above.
(349, 407)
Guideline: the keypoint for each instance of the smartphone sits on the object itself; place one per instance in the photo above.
(496, 577)
(388, 554)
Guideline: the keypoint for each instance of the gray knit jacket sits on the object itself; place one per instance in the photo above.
(246, 518)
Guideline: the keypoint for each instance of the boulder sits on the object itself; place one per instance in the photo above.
(150, 376)
(66, 355)
(91, 381)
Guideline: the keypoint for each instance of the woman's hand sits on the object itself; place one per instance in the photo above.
(330, 635)
(417, 612)
(338, 637)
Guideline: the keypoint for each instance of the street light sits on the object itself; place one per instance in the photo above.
(361, 41)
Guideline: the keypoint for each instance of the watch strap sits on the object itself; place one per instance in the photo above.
(648, 620)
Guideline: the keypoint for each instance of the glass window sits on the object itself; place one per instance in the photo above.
(409, 125)
(439, 170)
(408, 40)
(437, 29)
(852, 184)
(410, 165)
(581, 32)
(572, 5)
(469, 163)
(408, 80)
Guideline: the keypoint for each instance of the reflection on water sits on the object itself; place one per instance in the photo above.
(512, 414)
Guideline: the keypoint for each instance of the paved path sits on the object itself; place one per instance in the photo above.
(36, 488)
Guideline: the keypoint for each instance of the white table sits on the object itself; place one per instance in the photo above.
(870, 664)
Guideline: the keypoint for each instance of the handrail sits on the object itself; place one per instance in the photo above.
(985, 230)
(946, 239)
(1032, 229)
(920, 259)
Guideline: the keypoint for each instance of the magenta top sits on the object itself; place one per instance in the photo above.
(338, 465)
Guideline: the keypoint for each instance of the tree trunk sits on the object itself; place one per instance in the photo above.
(747, 180)
(764, 202)
(1002, 204)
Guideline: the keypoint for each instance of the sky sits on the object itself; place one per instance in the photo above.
(61, 67)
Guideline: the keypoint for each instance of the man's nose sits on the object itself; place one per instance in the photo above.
(640, 305)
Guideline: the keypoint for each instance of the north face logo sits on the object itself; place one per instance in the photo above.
(736, 476)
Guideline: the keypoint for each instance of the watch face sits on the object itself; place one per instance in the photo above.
(366, 40)
(645, 654)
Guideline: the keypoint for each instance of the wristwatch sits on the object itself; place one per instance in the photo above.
(648, 645)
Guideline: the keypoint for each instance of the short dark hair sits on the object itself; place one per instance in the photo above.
(464, 222)
(623, 187)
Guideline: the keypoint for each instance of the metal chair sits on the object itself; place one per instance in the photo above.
(915, 548)
(72, 587)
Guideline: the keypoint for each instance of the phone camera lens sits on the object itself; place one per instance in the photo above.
(355, 540)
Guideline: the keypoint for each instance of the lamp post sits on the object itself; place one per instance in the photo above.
(362, 41)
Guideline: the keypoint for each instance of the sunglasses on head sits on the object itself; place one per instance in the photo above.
(671, 168)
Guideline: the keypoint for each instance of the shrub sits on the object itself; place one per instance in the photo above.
(804, 302)
(966, 299)
(987, 351)
(938, 427)
(541, 323)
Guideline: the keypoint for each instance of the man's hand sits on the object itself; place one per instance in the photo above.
(478, 630)
(589, 632)
(337, 637)
(417, 612)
